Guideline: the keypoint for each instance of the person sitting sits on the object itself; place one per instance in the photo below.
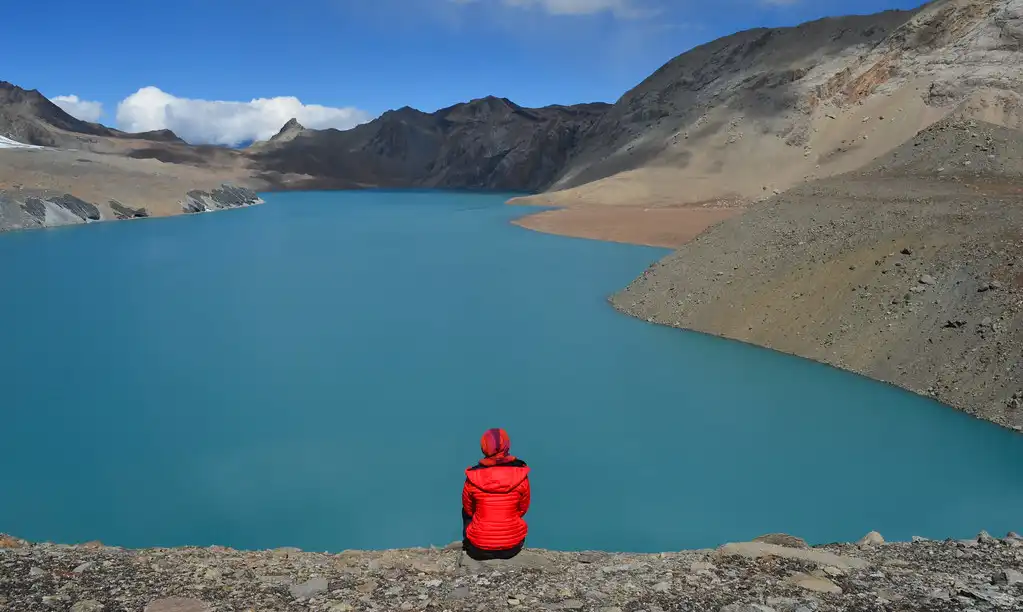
(495, 497)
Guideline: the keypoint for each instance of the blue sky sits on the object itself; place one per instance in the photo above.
(370, 54)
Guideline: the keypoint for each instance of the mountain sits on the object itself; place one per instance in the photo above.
(737, 118)
(27, 116)
(766, 109)
(489, 143)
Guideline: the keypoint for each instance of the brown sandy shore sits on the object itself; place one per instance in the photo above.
(777, 573)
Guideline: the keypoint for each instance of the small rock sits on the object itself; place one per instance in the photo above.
(906, 251)
(432, 584)
(1007, 576)
(927, 279)
(814, 583)
(36, 572)
(313, 586)
(745, 607)
(919, 539)
(701, 566)
(213, 574)
(53, 600)
(782, 539)
(367, 587)
(93, 544)
(339, 606)
(611, 609)
(662, 587)
(994, 285)
(571, 604)
(178, 604)
(985, 538)
(513, 602)
(871, 539)
(87, 605)
(7, 541)
(286, 551)
(88, 565)
(459, 592)
(833, 571)
(587, 558)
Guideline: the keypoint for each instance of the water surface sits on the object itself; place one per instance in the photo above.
(316, 372)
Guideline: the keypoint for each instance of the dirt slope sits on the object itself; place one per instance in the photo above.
(767, 109)
(910, 271)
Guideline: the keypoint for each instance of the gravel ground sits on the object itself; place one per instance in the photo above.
(779, 574)
(910, 271)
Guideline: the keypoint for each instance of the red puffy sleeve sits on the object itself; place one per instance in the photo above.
(468, 503)
(524, 497)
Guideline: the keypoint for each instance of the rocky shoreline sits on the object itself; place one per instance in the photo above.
(33, 209)
(775, 573)
(908, 272)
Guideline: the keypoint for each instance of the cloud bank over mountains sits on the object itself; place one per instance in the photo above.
(219, 122)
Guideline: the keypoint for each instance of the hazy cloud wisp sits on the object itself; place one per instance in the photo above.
(620, 8)
(225, 122)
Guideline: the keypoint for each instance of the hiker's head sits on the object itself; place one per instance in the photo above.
(495, 443)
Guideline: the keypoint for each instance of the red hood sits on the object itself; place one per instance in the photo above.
(497, 479)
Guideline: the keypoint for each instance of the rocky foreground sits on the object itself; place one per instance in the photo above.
(775, 573)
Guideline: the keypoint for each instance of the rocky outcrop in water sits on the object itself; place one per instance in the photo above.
(227, 196)
(27, 209)
(978, 574)
(23, 211)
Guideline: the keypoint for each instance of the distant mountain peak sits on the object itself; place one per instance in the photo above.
(290, 130)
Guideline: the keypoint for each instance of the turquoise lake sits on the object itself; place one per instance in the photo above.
(317, 371)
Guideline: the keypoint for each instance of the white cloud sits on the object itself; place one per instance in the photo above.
(223, 122)
(620, 8)
(86, 110)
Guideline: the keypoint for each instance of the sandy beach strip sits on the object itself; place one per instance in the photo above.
(668, 227)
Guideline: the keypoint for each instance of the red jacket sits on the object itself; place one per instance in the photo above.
(496, 498)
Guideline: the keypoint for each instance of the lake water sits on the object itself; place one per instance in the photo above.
(316, 372)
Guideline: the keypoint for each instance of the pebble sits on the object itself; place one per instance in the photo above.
(572, 604)
(460, 592)
(178, 604)
(985, 538)
(87, 605)
(662, 587)
(36, 572)
(927, 279)
(1007, 576)
(746, 607)
(313, 586)
(432, 584)
(814, 583)
(871, 539)
(88, 565)
(701, 566)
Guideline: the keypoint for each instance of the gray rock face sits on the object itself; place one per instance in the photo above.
(127, 212)
(226, 196)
